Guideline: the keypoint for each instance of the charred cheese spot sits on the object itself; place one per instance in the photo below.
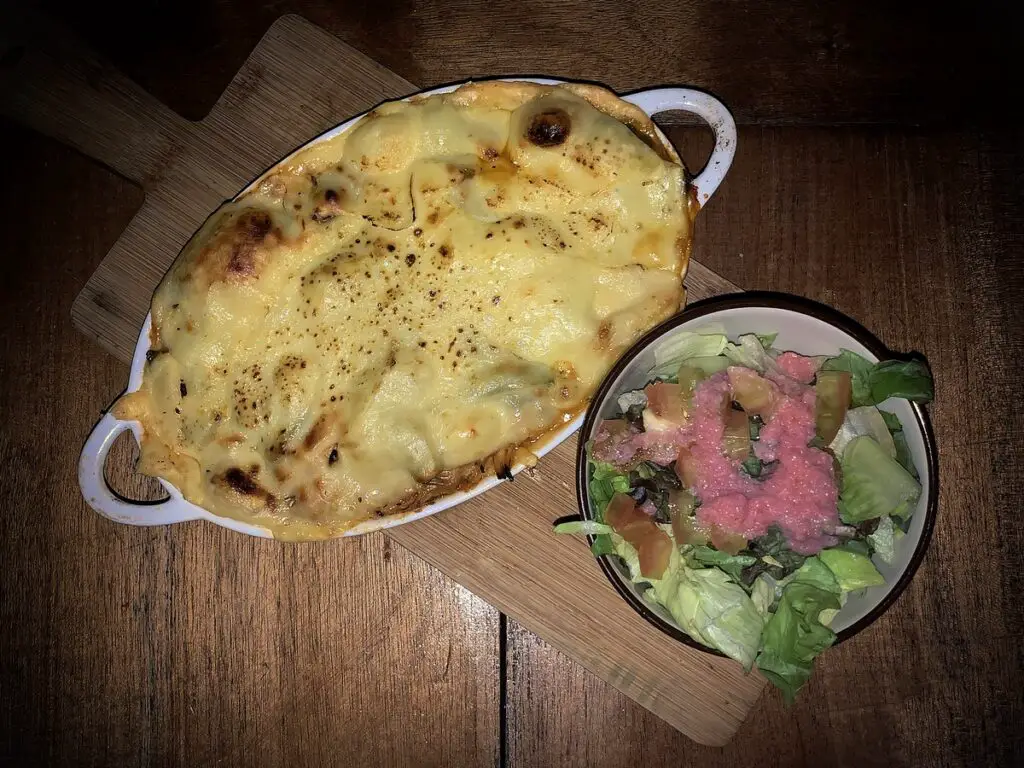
(255, 226)
(549, 128)
(244, 482)
(242, 261)
(390, 315)
(235, 250)
(317, 433)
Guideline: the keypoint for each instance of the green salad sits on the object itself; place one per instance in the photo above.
(750, 491)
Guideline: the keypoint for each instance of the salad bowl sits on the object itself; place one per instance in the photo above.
(809, 329)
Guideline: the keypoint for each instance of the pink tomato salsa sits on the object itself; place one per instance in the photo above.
(798, 492)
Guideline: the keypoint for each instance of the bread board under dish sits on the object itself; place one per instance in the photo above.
(498, 545)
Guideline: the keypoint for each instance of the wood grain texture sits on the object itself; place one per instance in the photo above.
(704, 697)
(501, 547)
(191, 646)
(920, 235)
(929, 253)
(790, 62)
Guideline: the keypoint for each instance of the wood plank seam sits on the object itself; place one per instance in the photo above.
(209, 163)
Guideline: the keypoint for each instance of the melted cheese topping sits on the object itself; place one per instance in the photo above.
(389, 314)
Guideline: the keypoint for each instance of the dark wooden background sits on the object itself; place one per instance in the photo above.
(880, 170)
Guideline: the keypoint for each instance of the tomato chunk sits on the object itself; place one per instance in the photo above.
(686, 469)
(622, 511)
(653, 546)
(736, 437)
(689, 377)
(752, 391)
(654, 551)
(680, 510)
(727, 541)
(833, 392)
(667, 406)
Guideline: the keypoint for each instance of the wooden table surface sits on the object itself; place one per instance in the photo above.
(876, 172)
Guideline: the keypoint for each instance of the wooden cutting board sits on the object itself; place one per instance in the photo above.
(500, 545)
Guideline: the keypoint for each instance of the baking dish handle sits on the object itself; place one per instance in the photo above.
(102, 498)
(709, 109)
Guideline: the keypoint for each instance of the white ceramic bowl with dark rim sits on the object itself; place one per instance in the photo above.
(177, 509)
(808, 328)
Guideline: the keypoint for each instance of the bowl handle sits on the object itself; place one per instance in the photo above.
(102, 498)
(713, 112)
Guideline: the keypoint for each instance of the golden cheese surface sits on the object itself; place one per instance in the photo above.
(389, 314)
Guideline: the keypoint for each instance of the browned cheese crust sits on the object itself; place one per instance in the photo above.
(393, 314)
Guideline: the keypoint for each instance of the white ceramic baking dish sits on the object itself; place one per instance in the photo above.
(176, 509)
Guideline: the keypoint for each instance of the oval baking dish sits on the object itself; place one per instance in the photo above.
(176, 508)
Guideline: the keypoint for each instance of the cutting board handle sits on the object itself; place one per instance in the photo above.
(52, 82)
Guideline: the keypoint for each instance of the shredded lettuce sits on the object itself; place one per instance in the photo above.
(767, 339)
(749, 353)
(628, 400)
(865, 420)
(907, 379)
(731, 564)
(903, 455)
(710, 328)
(857, 545)
(709, 365)
(899, 440)
(828, 615)
(774, 544)
(658, 483)
(816, 573)
(762, 594)
(710, 606)
(630, 557)
(687, 344)
(892, 421)
(705, 603)
(752, 465)
(884, 539)
(852, 570)
(874, 483)
(645, 470)
(860, 370)
(794, 635)
(602, 545)
(586, 527)
(605, 481)
(874, 383)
